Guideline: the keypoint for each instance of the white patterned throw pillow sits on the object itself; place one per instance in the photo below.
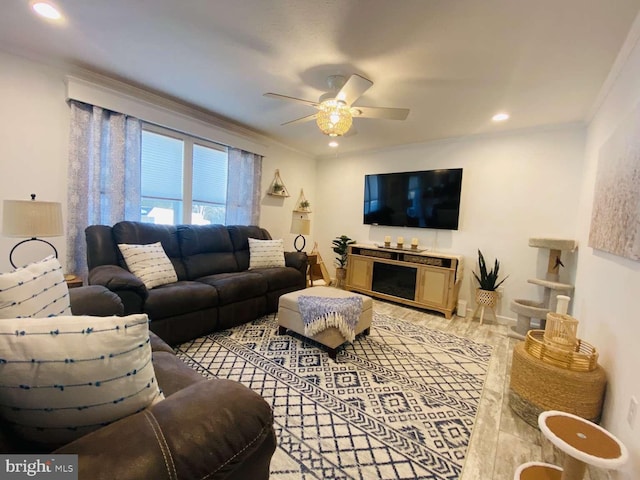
(265, 253)
(35, 290)
(149, 263)
(63, 377)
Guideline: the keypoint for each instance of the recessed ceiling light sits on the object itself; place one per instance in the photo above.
(46, 10)
(500, 117)
(333, 144)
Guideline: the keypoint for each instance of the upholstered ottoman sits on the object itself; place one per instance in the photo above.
(289, 317)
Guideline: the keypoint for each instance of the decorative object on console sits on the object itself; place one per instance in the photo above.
(277, 188)
(341, 248)
(335, 111)
(400, 243)
(301, 226)
(387, 241)
(35, 290)
(33, 219)
(486, 294)
(526, 310)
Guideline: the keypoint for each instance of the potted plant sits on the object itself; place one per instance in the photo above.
(341, 248)
(304, 205)
(488, 280)
(277, 188)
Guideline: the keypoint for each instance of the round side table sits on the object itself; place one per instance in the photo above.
(583, 442)
(538, 471)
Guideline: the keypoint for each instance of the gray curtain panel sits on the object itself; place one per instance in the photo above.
(104, 175)
(243, 188)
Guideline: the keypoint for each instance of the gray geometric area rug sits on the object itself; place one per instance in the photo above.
(397, 404)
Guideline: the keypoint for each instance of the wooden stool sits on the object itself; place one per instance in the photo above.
(583, 442)
(538, 471)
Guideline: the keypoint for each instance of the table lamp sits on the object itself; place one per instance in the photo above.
(300, 226)
(33, 219)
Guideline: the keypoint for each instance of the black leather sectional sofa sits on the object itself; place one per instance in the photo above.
(204, 428)
(215, 290)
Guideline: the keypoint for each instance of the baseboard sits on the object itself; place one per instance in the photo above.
(502, 320)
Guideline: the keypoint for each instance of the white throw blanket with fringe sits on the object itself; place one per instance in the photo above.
(320, 313)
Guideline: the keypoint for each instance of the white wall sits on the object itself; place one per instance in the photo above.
(608, 285)
(34, 149)
(33, 144)
(297, 172)
(515, 186)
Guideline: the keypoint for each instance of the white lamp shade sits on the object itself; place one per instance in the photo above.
(301, 226)
(31, 218)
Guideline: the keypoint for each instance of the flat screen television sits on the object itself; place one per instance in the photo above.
(424, 199)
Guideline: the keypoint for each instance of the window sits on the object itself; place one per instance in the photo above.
(184, 179)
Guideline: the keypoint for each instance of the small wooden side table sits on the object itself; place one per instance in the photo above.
(583, 442)
(312, 259)
(72, 280)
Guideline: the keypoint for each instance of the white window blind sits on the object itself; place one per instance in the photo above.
(209, 175)
(184, 179)
(162, 159)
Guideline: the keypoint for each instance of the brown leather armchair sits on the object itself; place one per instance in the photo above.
(204, 428)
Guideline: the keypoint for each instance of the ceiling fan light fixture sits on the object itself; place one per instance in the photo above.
(334, 118)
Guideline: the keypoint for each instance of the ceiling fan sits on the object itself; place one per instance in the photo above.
(335, 108)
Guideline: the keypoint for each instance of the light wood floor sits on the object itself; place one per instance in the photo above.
(501, 440)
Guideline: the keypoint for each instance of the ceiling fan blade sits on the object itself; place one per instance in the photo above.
(380, 112)
(308, 118)
(353, 89)
(291, 99)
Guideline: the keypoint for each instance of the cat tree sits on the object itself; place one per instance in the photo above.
(527, 310)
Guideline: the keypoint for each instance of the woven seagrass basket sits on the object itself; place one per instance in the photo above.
(583, 358)
(536, 386)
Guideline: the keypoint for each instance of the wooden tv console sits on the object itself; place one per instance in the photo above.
(420, 279)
